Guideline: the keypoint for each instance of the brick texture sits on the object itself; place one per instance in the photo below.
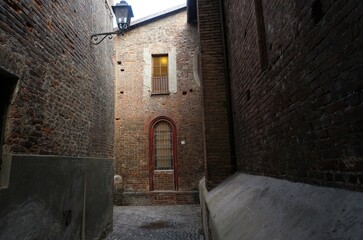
(299, 118)
(136, 108)
(218, 152)
(64, 103)
(163, 180)
(156, 198)
(59, 132)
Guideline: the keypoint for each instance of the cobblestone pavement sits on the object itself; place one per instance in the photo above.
(181, 222)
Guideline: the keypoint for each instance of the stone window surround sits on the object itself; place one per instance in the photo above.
(172, 73)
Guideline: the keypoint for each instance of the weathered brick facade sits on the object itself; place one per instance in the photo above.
(63, 104)
(219, 155)
(137, 108)
(59, 125)
(295, 75)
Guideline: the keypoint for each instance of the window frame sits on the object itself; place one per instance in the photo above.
(151, 151)
(158, 159)
(163, 83)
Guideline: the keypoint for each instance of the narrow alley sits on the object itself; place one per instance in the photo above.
(157, 222)
(203, 119)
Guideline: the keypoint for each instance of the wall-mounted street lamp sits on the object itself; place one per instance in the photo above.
(123, 13)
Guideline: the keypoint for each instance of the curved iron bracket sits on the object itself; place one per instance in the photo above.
(95, 37)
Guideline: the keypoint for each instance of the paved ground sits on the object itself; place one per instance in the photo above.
(181, 222)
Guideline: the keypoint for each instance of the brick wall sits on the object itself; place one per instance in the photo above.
(299, 116)
(156, 198)
(56, 163)
(64, 102)
(218, 152)
(163, 180)
(136, 108)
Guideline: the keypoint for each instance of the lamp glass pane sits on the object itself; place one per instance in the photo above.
(121, 14)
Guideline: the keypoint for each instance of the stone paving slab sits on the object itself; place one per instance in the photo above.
(178, 222)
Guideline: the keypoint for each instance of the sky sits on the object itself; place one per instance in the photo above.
(142, 8)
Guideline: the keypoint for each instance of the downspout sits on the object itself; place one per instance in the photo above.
(228, 89)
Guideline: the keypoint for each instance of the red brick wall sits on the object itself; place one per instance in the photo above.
(218, 153)
(64, 101)
(164, 180)
(156, 198)
(300, 118)
(136, 108)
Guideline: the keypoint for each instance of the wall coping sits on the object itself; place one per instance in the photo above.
(256, 207)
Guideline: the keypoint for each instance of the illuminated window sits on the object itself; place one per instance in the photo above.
(160, 80)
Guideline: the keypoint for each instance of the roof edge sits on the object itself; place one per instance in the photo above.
(157, 16)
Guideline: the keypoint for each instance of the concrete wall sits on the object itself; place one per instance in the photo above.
(52, 197)
(254, 207)
(137, 108)
(56, 172)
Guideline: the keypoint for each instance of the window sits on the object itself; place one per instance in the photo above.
(163, 174)
(160, 80)
(163, 146)
(160, 62)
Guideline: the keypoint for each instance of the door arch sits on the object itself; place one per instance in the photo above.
(163, 167)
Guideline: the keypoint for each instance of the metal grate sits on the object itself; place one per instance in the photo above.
(160, 84)
(163, 146)
(160, 73)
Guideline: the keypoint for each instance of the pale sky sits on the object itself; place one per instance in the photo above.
(143, 8)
